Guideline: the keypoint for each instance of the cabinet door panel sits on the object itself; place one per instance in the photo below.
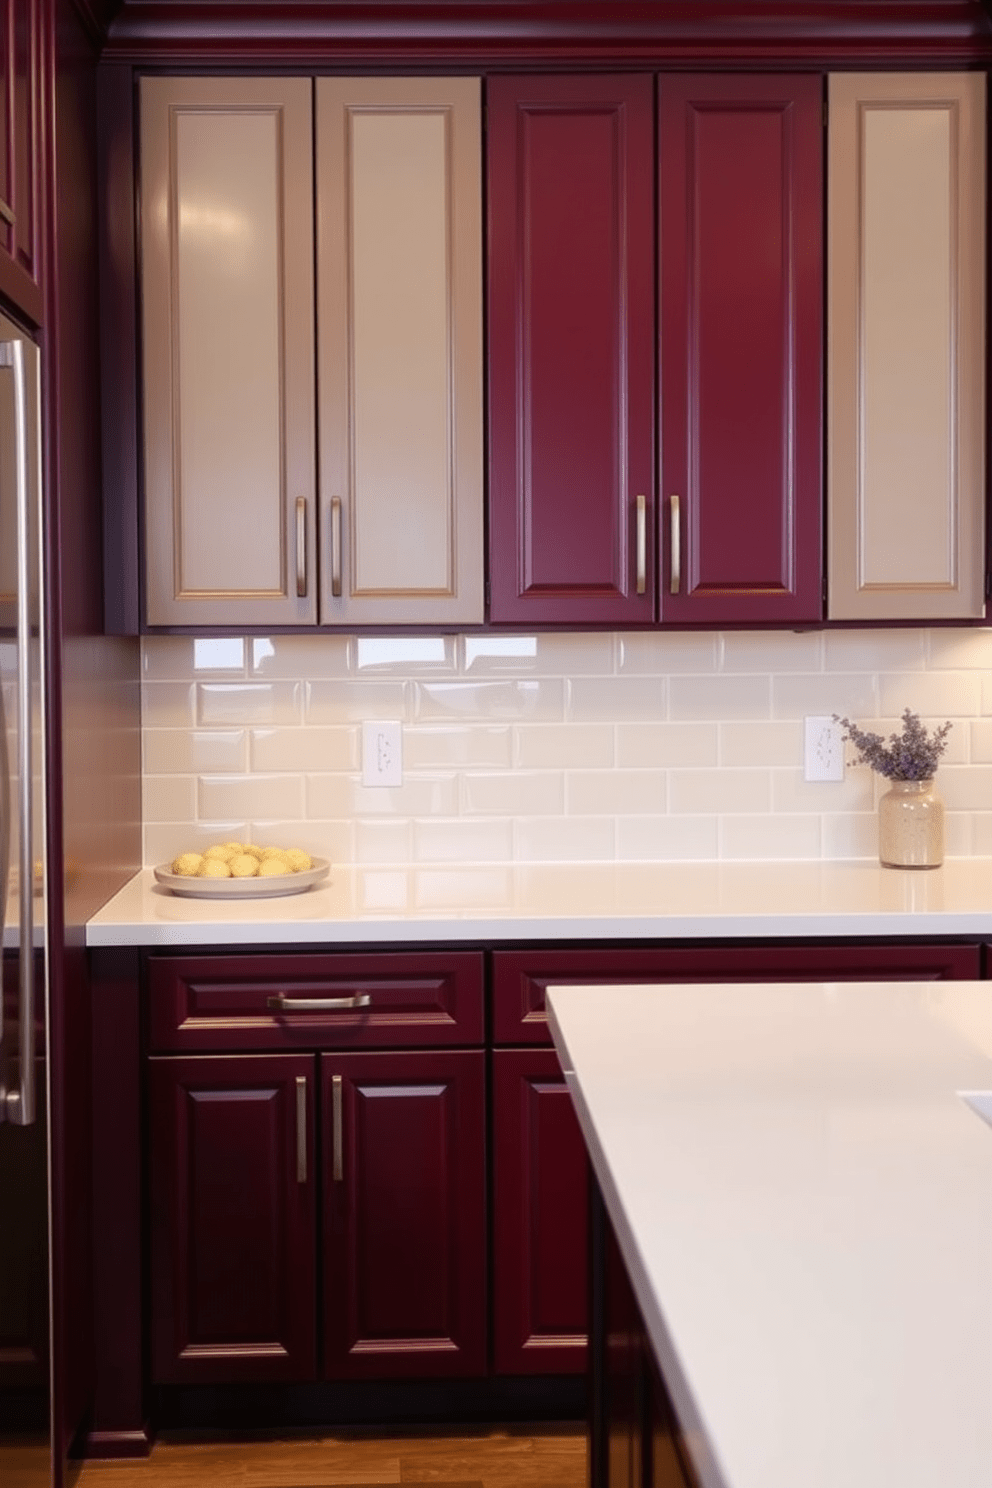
(404, 1214)
(540, 1198)
(571, 336)
(907, 350)
(227, 278)
(232, 1232)
(741, 236)
(399, 270)
(24, 56)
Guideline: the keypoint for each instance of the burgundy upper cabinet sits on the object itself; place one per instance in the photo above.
(23, 63)
(741, 346)
(573, 336)
(571, 349)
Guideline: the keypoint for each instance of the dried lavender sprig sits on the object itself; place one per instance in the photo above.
(911, 755)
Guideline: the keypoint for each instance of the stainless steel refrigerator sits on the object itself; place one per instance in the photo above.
(25, 1269)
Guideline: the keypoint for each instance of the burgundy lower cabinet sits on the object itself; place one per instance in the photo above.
(317, 1190)
(233, 1210)
(404, 1200)
(540, 1274)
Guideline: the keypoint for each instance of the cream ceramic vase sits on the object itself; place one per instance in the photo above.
(911, 825)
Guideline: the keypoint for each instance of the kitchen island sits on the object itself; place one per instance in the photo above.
(802, 1198)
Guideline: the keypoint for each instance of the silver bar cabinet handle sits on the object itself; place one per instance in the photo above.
(337, 1133)
(301, 547)
(7, 213)
(301, 1128)
(675, 583)
(642, 544)
(336, 547)
(20, 1103)
(283, 1004)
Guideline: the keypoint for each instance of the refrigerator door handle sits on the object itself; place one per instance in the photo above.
(19, 1104)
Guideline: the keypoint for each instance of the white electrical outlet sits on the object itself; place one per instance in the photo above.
(382, 753)
(823, 755)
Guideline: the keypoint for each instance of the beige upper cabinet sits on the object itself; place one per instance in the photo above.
(906, 346)
(228, 345)
(242, 372)
(399, 350)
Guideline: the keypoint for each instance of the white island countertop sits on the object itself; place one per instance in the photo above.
(480, 902)
(804, 1203)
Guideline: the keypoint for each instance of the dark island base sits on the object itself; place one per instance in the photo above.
(635, 1440)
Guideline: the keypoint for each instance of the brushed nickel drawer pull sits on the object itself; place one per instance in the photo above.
(282, 1004)
(642, 544)
(676, 574)
(301, 547)
(301, 1128)
(337, 1136)
(336, 547)
(7, 213)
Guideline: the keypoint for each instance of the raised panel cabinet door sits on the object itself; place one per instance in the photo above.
(228, 307)
(571, 349)
(399, 286)
(741, 344)
(906, 346)
(231, 1182)
(404, 1250)
(540, 1213)
(25, 63)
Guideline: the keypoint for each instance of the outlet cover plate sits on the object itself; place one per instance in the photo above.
(823, 754)
(382, 752)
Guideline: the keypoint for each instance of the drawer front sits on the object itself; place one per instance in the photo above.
(521, 978)
(200, 1003)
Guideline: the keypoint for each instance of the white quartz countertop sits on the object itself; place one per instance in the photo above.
(804, 1203)
(467, 902)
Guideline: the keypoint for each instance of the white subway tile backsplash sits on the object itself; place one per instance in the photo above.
(596, 699)
(565, 746)
(720, 791)
(402, 656)
(768, 837)
(457, 840)
(188, 751)
(656, 746)
(223, 704)
(874, 651)
(616, 792)
(515, 793)
(719, 697)
(298, 656)
(296, 750)
(667, 839)
(251, 796)
(760, 742)
(564, 839)
(427, 746)
(348, 701)
(660, 653)
(653, 746)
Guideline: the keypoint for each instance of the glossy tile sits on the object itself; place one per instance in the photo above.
(535, 698)
(601, 699)
(227, 703)
(194, 751)
(427, 746)
(664, 745)
(564, 839)
(305, 749)
(760, 838)
(519, 793)
(460, 841)
(221, 797)
(405, 656)
(292, 657)
(661, 653)
(565, 746)
(616, 792)
(723, 792)
(761, 742)
(719, 697)
(667, 839)
(329, 702)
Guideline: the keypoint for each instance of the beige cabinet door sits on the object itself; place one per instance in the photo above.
(399, 288)
(228, 321)
(906, 346)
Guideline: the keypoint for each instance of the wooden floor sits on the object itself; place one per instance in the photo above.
(529, 1456)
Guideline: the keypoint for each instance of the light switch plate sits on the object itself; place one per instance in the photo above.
(382, 752)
